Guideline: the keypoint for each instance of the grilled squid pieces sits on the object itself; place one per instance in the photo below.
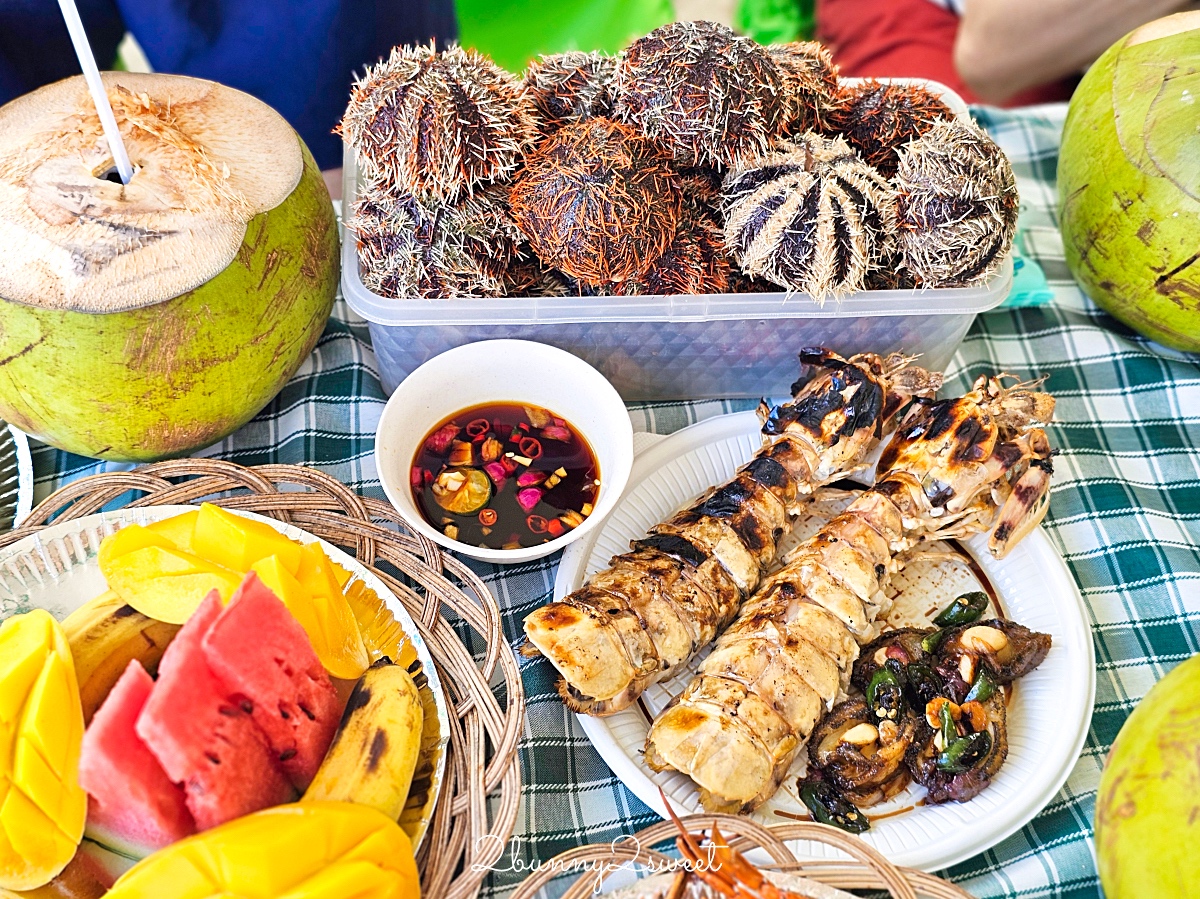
(643, 618)
(953, 468)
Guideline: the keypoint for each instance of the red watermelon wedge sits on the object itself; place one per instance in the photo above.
(258, 650)
(203, 737)
(133, 808)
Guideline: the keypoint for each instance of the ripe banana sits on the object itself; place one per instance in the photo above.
(374, 753)
(105, 635)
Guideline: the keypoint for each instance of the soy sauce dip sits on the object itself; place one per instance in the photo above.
(505, 476)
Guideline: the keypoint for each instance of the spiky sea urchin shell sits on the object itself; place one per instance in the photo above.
(527, 277)
(705, 94)
(694, 262)
(455, 249)
(570, 87)
(436, 125)
(597, 201)
(957, 205)
(810, 82)
(876, 119)
(810, 216)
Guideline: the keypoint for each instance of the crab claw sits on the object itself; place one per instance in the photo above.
(1026, 505)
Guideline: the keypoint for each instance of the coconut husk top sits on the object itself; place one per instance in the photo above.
(206, 160)
(570, 87)
(437, 125)
(957, 205)
(708, 96)
(597, 201)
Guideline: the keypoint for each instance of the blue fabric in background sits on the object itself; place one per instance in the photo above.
(299, 56)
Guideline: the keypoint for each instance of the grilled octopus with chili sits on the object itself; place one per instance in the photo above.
(974, 464)
(643, 618)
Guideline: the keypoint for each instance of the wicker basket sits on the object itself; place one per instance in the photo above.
(477, 809)
(865, 869)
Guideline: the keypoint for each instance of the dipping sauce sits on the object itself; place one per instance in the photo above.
(505, 476)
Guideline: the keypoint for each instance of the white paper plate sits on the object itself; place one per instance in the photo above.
(57, 569)
(1048, 716)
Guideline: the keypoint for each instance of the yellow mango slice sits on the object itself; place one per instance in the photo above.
(314, 850)
(237, 543)
(42, 807)
(343, 638)
(130, 538)
(166, 584)
(328, 621)
(179, 530)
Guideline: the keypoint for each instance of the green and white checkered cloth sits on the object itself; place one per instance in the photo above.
(1125, 514)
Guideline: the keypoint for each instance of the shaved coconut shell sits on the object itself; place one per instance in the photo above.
(75, 241)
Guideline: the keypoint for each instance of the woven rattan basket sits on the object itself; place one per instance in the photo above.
(477, 808)
(865, 869)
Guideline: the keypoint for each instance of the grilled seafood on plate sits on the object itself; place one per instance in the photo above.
(643, 618)
(956, 467)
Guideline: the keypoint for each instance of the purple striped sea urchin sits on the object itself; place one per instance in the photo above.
(597, 201)
(570, 87)
(703, 93)
(810, 216)
(876, 119)
(957, 205)
(455, 249)
(436, 125)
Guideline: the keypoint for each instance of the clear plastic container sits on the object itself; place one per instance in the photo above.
(674, 347)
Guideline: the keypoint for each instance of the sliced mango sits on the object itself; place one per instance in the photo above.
(316, 600)
(42, 807)
(234, 542)
(313, 850)
(180, 530)
(165, 584)
(130, 538)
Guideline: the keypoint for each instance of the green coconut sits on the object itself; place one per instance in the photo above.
(1148, 807)
(1129, 181)
(147, 320)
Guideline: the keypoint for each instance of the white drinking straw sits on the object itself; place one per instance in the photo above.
(88, 62)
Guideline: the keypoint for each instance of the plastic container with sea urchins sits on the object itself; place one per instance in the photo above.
(692, 346)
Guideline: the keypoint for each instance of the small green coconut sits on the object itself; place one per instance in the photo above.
(1129, 181)
(148, 320)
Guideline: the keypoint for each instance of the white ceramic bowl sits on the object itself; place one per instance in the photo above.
(515, 371)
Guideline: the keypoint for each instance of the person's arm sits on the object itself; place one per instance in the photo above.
(1006, 46)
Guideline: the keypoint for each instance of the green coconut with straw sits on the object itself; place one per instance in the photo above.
(145, 320)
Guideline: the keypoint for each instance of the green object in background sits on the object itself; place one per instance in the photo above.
(513, 32)
(775, 21)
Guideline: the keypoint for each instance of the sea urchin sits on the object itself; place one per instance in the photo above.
(597, 201)
(810, 82)
(437, 124)
(570, 87)
(957, 204)
(810, 216)
(877, 118)
(703, 93)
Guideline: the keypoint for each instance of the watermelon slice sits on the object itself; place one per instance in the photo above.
(133, 807)
(204, 738)
(258, 650)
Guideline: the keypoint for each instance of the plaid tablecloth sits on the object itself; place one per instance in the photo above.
(1125, 514)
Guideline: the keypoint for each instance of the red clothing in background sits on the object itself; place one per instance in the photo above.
(905, 38)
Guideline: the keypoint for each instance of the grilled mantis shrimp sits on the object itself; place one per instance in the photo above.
(980, 463)
(643, 618)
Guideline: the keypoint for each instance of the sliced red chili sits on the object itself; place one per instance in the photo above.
(487, 517)
(531, 447)
(536, 523)
(555, 528)
(478, 427)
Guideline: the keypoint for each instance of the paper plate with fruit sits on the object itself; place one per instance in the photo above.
(203, 680)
